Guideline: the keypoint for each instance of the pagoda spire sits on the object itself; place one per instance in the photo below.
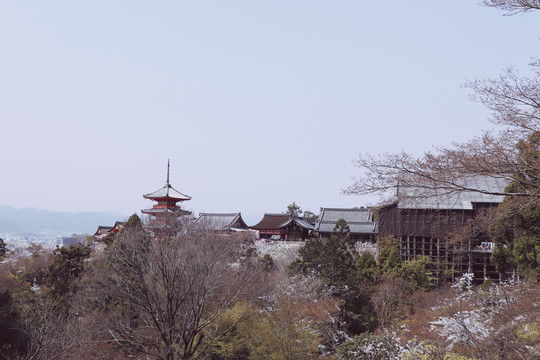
(168, 166)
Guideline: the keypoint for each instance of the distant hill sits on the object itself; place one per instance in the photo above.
(31, 220)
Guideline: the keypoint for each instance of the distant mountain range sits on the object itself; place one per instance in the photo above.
(31, 220)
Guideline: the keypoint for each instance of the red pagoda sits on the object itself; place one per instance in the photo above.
(165, 207)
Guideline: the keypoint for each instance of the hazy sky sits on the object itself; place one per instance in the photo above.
(256, 103)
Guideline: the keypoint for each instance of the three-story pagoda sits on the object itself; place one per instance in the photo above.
(166, 206)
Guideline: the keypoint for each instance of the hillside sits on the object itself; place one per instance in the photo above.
(31, 220)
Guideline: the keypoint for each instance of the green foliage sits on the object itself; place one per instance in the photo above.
(333, 261)
(66, 269)
(516, 231)
(134, 222)
(343, 232)
(294, 209)
(385, 245)
(12, 339)
(246, 333)
(369, 346)
(526, 253)
(393, 264)
(267, 262)
(367, 269)
(330, 259)
(502, 258)
(232, 340)
(418, 274)
(415, 271)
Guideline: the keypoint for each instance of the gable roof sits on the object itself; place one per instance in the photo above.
(429, 198)
(359, 220)
(278, 221)
(222, 222)
(103, 230)
(167, 191)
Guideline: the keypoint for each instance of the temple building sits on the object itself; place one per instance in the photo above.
(222, 223)
(363, 227)
(424, 223)
(287, 227)
(165, 207)
(104, 231)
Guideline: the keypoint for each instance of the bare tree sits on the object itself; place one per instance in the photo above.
(160, 296)
(390, 300)
(509, 155)
(513, 6)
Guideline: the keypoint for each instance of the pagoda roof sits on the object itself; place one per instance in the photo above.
(154, 211)
(278, 221)
(167, 192)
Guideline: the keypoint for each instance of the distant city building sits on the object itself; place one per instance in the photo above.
(363, 227)
(287, 227)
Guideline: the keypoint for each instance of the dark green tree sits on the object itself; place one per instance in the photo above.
(13, 341)
(367, 270)
(516, 231)
(393, 263)
(66, 270)
(134, 222)
(333, 261)
(3, 249)
(267, 262)
(294, 209)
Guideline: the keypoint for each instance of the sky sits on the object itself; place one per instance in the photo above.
(256, 103)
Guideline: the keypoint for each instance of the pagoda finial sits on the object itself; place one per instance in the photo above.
(168, 166)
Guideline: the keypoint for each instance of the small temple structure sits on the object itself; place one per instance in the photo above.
(222, 222)
(287, 227)
(361, 221)
(165, 206)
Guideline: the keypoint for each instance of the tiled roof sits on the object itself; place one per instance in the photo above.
(167, 191)
(359, 220)
(221, 222)
(278, 221)
(154, 211)
(442, 199)
(102, 230)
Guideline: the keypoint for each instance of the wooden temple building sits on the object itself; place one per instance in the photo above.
(287, 227)
(361, 222)
(104, 231)
(424, 223)
(222, 222)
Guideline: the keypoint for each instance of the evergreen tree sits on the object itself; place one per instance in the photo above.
(367, 270)
(516, 231)
(294, 209)
(12, 339)
(333, 261)
(66, 269)
(3, 249)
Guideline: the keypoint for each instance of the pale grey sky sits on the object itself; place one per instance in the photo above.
(256, 103)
